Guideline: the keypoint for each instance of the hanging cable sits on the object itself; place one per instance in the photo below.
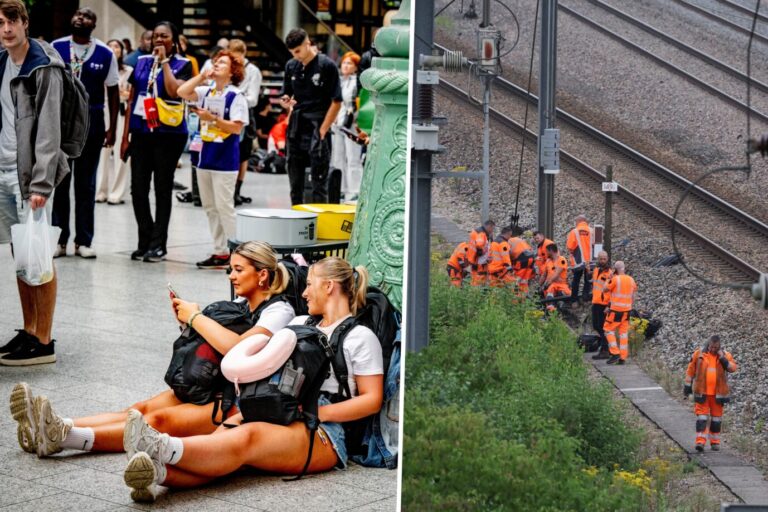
(517, 28)
(746, 169)
(515, 217)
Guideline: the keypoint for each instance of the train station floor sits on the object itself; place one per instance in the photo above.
(114, 332)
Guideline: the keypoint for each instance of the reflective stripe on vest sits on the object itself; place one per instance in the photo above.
(599, 286)
(621, 295)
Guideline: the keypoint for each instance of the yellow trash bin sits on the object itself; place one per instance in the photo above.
(334, 221)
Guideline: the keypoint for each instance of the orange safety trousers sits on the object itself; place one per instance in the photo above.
(502, 278)
(456, 276)
(556, 290)
(710, 411)
(480, 275)
(617, 321)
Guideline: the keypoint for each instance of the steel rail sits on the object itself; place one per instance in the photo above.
(644, 161)
(720, 19)
(677, 43)
(664, 63)
(726, 257)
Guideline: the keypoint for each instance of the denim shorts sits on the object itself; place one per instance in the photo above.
(334, 431)
(13, 209)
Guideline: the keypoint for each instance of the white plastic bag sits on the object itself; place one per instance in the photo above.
(33, 246)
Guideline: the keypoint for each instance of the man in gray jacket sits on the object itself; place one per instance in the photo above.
(31, 164)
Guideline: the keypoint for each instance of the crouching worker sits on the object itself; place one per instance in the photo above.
(707, 379)
(257, 277)
(499, 265)
(334, 292)
(457, 264)
(556, 280)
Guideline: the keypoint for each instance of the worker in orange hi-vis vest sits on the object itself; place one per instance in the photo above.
(523, 259)
(556, 281)
(478, 254)
(707, 378)
(579, 243)
(600, 301)
(458, 263)
(542, 243)
(622, 289)
(499, 265)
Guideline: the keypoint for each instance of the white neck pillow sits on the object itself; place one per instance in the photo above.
(258, 357)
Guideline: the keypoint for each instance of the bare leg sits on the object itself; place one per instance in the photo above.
(45, 303)
(161, 401)
(241, 172)
(26, 296)
(262, 445)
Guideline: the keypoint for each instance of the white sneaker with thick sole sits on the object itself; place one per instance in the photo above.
(51, 429)
(140, 436)
(142, 475)
(23, 411)
(85, 252)
(61, 250)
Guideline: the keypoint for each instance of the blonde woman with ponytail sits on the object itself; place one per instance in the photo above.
(256, 276)
(335, 291)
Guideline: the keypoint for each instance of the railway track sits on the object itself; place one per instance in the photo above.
(711, 253)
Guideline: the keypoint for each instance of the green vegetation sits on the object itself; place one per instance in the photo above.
(500, 414)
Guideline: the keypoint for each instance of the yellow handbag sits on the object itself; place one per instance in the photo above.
(171, 113)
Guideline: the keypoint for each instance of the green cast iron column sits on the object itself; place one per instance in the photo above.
(378, 237)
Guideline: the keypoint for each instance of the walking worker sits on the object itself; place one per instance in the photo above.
(622, 289)
(223, 112)
(311, 88)
(155, 142)
(479, 249)
(556, 280)
(542, 243)
(94, 63)
(499, 263)
(579, 244)
(458, 263)
(707, 378)
(601, 299)
(32, 163)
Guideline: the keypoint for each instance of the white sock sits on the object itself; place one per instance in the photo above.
(68, 421)
(173, 451)
(79, 438)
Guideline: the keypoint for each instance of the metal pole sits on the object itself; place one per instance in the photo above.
(485, 210)
(420, 207)
(608, 213)
(547, 73)
(290, 16)
(486, 13)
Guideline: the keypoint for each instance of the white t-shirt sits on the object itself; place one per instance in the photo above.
(8, 133)
(276, 316)
(362, 352)
(251, 86)
(238, 111)
(113, 77)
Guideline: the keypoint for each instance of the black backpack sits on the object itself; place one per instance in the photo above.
(194, 373)
(296, 286)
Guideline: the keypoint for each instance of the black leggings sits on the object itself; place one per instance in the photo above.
(155, 153)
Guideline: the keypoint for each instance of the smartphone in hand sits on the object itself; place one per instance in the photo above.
(172, 292)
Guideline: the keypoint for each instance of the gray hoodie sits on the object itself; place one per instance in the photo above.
(37, 94)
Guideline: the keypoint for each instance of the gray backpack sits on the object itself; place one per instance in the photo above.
(74, 115)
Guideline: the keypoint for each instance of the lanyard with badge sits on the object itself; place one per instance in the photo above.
(215, 103)
(146, 106)
(75, 62)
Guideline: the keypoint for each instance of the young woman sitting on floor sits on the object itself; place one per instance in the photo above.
(334, 292)
(256, 276)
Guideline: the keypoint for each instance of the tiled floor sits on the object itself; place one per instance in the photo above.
(115, 332)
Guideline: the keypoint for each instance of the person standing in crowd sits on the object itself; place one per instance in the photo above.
(145, 48)
(251, 88)
(707, 378)
(311, 89)
(223, 112)
(127, 45)
(94, 63)
(622, 289)
(579, 243)
(556, 280)
(479, 252)
(184, 51)
(601, 299)
(113, 175)
(264, 122)
(155, 147)
(31, 165)
(347, 155)
(542, 243)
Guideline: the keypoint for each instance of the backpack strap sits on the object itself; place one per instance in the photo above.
(339, 363)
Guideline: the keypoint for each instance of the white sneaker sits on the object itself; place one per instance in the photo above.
(142, 475)
(61, 250)
(84, 251)
(51, 429)
(139, 436)
(23, 411)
